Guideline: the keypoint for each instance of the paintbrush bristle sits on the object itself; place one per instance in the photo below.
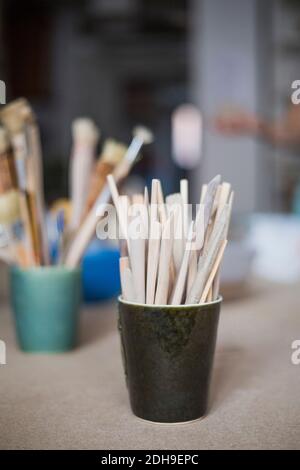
(144, 134)
(84, 129)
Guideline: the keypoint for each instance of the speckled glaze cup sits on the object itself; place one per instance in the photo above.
(46, 303)
(168, 355)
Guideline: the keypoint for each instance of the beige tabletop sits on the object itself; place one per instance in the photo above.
(79, 400)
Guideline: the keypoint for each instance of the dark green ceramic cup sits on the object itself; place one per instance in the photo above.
(46, 303)
(168, 355)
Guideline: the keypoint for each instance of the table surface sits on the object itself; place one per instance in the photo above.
(79, 400)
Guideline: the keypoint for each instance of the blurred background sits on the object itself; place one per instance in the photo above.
(123, 62)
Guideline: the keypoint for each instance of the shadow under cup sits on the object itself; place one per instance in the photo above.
(168, 355)
(46, 303)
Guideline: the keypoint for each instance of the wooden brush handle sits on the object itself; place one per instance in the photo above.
(102, 169)
(28, 235)
(35, 232)
(8, 179)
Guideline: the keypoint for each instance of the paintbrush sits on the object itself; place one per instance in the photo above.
(60, 225)
(141, 136)
(88, 227)
(35, 168)
(112, 154)
(85, 139)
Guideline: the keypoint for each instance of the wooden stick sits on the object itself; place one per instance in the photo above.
(21, 152)
(161, 204)
(153, 256)
(174, 205)
(172, 268)
(146, 197)
(192, 270)
(87, 230)
(137, 257)
(184, 191)
(138, 208)
(112, 154)
(163, 278)
(146, 204)
(209, 295)
(182, 275)
(216, 283)
(25, 214)
(115, 197)
(34, 222)
(85, 137)
(154, 203)
(138, 200)
(209, 198)
(126, 280)
(199, 227)
(123, 248)
(124, 262)
(208, 257)
(39, 203)
(209, 231)
(224, 194)
(153, 245)
(203, 192)
(213, 272)
(162, 209)
(216, 200)
(141, 137)
(220, 199)
(208, 201)
(230, 204)
(126, 216)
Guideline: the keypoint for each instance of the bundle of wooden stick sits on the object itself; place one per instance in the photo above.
(166, 257)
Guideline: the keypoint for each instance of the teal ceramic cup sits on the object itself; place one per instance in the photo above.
(168, 354)
(46, 302)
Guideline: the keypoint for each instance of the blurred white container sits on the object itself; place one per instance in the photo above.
(276, 241)
(237, 263)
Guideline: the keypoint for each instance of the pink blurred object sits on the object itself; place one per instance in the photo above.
(186, 136)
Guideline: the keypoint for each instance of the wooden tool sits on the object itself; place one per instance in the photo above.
(163, 277)
(126, 281)
(197, 272)
(137, 257)
(85, 138)
(183, 271)
(112, 154)
(208, 257)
